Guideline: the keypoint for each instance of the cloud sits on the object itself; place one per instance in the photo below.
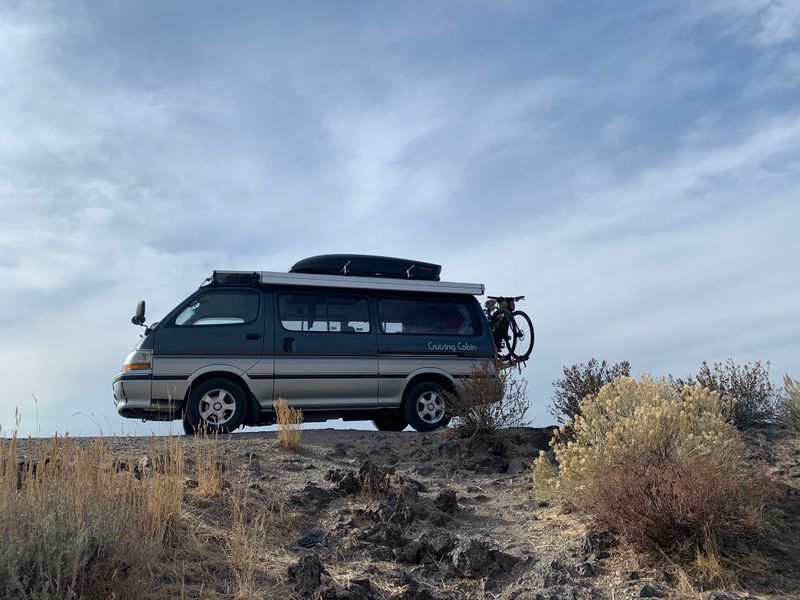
(617, 168)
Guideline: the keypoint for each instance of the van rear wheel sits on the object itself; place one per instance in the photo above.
(390, 423)
(425, 406)
(215, 406)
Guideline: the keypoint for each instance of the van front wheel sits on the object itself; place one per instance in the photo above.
(425, 406)
(215, 406)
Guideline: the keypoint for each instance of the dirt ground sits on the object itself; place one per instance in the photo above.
(412, 515)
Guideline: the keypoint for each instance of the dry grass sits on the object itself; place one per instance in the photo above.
(790, 404)
(79, 520)
(76, 523)
(289, 422)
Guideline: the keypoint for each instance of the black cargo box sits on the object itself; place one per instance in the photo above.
(363, 265)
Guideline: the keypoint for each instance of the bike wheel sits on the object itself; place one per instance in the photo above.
(522, 329)
(502, 323)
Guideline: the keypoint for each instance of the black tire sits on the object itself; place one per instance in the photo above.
(425, 406)
(523, 335)
(501, 323)
(215, 406)
(390, 423)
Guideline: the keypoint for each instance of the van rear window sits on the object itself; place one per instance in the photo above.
(328, 313)
(436, 317)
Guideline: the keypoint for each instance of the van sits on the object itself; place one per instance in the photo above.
(339, 336)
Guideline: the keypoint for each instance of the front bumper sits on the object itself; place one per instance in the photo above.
(132, 397)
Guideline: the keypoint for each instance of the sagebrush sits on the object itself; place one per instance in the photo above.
(580, 381)
(664, 468)
(754, 399)
(487, 402)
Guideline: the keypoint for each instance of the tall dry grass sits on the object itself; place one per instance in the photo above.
(790, 404)
(289, 421)
(76, 523)
(112, 518)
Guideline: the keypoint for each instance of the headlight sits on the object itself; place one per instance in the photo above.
(138, 360)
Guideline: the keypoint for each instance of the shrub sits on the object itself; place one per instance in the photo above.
(487, 402)
(754, 398)
(674, 506)
(790, 404)
(581, 381)
(647, 417)
(289, 422)
(663, 467)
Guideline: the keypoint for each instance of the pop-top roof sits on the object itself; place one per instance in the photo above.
(371, 283)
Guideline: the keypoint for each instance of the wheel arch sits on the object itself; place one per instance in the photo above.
(232, 374)
(439, 376)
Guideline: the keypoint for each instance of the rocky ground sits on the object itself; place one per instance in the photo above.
(409, 515)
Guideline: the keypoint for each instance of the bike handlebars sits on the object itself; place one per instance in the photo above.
(501, 298)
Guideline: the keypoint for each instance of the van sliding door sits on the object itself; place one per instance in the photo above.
(325, 350)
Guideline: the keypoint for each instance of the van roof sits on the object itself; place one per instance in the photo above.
(348, 282)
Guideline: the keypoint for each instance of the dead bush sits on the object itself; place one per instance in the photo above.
(790, 404)
(289, 421)
(685, 508)
(581, 381)
(487, 402)
(754, 398)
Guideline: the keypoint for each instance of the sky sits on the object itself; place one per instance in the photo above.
(632, 168)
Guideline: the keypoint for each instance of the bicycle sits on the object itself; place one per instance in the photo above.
(512, 330)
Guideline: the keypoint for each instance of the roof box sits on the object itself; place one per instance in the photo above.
(362, 265)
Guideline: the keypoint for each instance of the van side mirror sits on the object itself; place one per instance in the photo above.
(138, 318)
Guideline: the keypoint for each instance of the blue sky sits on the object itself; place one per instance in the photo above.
(633, 168)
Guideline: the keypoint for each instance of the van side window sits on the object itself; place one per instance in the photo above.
(220, 307)
(437, 317)
(329, 313)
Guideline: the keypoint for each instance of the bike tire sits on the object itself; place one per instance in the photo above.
(523, 335)
(502, 325)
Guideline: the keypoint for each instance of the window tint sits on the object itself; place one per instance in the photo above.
(337, 314)
(220, 308)
(438, 317)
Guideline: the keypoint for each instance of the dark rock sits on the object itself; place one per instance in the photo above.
(446, 501)
(384, 534)
(306, 574)
(476, 559)
(585, 569)
(373, 479)
(411, 553)
(254, 466)
(424, 470)
(597, 543)
(651, 590)
(516, 466)
(413, 591)
(438, 543)
(449, 449)
(344, 482)
(312, 494)
(430, 546)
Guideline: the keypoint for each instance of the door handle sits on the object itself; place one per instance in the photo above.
(253, 336)
(288, 344)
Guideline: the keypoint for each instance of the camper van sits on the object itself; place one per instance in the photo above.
(339, 337)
